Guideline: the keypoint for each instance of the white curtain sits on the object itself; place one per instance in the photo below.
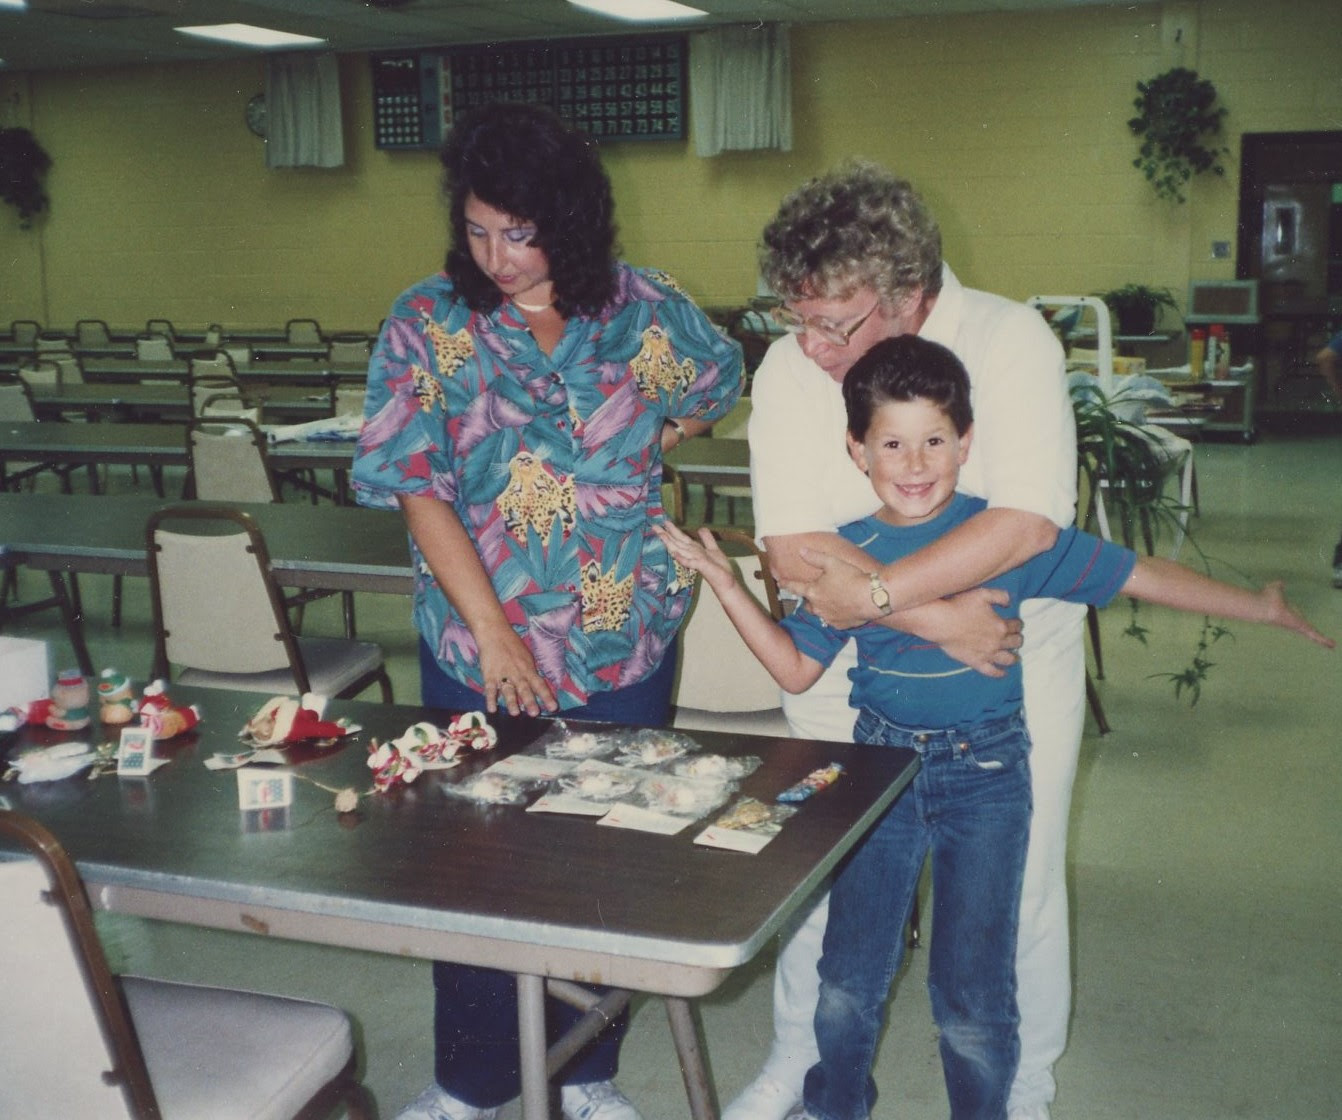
(741, 89)
(303, 123)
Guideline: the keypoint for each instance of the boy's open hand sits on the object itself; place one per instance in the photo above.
(703, 556)
(1281, 613)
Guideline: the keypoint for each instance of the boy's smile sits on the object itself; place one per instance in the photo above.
(912, 454)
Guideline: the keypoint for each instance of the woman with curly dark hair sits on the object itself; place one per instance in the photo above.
(519, 404)
(512, 157)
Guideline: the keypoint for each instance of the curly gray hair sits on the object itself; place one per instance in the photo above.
(858, 226)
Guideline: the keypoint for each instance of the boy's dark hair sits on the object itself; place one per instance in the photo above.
(523, 160)
(906, 368)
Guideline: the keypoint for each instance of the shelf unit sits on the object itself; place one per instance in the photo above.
(1233, 400)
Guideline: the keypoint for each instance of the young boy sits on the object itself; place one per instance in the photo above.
(910, 427)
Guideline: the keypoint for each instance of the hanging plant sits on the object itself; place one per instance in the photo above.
(1176, 115)
(22, 165)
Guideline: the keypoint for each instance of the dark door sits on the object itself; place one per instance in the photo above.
(1290, 240)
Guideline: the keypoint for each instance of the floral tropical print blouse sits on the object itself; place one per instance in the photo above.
(552, 463)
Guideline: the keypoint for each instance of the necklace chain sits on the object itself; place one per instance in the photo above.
(533, 306)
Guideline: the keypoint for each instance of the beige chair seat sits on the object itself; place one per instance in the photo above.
(333, 665)
(266, 1054)
(80, 1042)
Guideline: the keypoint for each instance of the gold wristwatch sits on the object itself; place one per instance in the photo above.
(879, 595)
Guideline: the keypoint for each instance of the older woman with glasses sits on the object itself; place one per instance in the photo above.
(856, 258)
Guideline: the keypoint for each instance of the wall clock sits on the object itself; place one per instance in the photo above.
(255, 114)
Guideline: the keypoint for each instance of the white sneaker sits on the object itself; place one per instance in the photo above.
(765, 1098)
(597, 1100)
(437, 1104)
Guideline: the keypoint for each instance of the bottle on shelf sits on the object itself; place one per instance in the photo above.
(1218, 353)
(1197, 352)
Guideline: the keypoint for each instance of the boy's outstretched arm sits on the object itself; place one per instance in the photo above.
(1156, 580)
(769, 642)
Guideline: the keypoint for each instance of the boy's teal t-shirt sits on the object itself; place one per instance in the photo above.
(910, 681)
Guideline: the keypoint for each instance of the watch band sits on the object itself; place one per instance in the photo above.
(676, 426)
(879, 595)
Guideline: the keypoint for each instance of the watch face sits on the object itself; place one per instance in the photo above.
(256, 114)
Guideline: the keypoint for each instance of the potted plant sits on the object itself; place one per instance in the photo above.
(22, 165)
(1176, 115)
(1116, 454)
(1137, 307)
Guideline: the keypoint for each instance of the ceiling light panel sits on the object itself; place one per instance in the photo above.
(640, 10)
(245, 34)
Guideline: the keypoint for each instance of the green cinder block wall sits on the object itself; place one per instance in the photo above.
(1012, 125)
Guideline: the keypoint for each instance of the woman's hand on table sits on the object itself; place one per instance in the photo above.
(511, 678)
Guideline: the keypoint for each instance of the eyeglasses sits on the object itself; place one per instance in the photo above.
(793, 323)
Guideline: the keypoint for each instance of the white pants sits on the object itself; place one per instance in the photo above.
(1054, 672)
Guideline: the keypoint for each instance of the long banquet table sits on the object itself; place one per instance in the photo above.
(292, 371)
(415, 872)
(710, 461)
(134, 402)
(314, 547)
(152, 445)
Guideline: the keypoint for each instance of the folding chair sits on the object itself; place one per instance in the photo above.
(220, 617)
(720, 686)
(81, 1042)
(303, 332)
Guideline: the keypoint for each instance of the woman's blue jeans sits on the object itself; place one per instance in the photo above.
(969, 805)
(475, 1009)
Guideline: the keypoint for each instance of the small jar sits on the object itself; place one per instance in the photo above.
(1197, 352)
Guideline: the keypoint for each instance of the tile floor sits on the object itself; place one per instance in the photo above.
(1204, 863)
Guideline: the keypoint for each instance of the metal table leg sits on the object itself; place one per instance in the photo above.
(531, 1036)
(685, 1031)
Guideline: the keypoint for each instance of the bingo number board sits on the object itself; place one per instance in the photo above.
(628, 88)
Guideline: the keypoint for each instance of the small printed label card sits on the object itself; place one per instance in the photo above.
(264, 789)
(135, 753)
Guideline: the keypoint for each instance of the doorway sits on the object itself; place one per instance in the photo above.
(1290, 241)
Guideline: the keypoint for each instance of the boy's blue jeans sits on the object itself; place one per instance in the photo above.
(970, 806)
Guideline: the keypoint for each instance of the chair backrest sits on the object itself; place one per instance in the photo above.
(209, 379)
(218, 364)
(349, 400)
(16, 402)
(161, 326)
(751, 329)
(216, 605)
(70, 1047)
(72, 370)
(153, 348)
(25, 331)
(673, 494)
(303, 332)
(735, 423)
(718, 673)
(40, 371)
(348, 349)
(227, 454)
(49, 343)
(240, 354)
(214, 334)
(92, 332)
(228, 406)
